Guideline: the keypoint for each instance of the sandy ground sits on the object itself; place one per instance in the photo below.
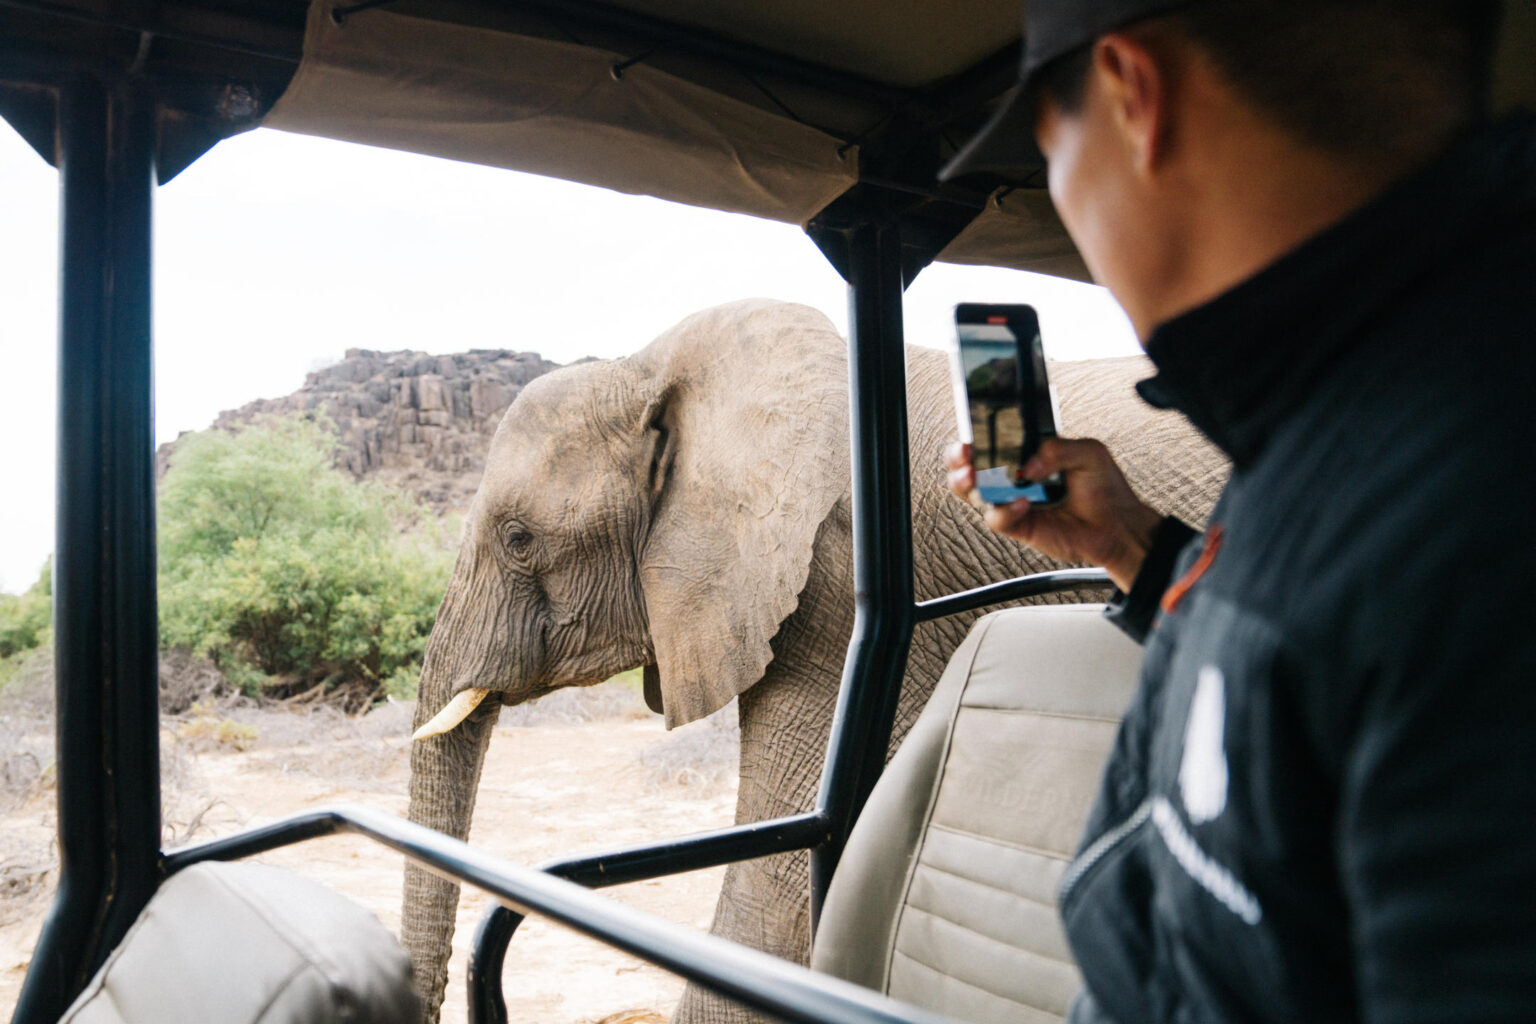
(549, 790)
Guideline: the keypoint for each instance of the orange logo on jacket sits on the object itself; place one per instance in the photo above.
(1175, 594)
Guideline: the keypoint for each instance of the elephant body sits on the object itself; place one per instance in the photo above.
(688, 508)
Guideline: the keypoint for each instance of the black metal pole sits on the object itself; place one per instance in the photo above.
(884, 611)
(105, 635)
(1016, 589)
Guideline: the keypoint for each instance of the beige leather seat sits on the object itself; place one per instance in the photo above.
(247, 943)
(946, 894)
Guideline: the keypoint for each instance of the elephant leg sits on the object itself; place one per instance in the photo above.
(785, 719)
(764, 904)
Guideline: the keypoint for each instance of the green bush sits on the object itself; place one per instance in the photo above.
(279, 566)
(26, 620)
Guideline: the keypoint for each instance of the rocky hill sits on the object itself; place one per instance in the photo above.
(418, 421)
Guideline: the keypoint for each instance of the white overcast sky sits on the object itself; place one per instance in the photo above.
(275, 253)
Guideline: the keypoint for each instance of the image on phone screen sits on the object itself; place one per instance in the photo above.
(1003, 400)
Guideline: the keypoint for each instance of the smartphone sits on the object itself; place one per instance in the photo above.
(1003, 400)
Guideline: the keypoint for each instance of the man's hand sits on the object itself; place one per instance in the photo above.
(1101, 521)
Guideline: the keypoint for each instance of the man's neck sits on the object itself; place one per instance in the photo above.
(1251, 195)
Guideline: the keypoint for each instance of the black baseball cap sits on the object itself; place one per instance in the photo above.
(1052, 29)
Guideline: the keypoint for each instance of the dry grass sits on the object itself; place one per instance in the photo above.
(26, 731)
(188, 680)
(702, 753)
(190, 815)
(187, 802)
(321, 742)
(204, 729)
(27, 872)
(699, 754)
(28, 863)
(202, 715)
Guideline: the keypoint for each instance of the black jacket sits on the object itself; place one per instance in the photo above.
(1322, 801)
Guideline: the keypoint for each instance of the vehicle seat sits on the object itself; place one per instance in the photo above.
(246, 943)
(946, 894)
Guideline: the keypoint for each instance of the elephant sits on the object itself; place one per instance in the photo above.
(687, 509)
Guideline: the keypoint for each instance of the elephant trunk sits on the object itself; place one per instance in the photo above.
(445, 778)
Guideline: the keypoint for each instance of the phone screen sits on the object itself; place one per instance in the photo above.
(1003, 399)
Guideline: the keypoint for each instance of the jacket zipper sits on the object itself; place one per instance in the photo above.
(1100, 848)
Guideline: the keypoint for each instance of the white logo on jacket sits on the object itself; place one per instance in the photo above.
(1203, 769)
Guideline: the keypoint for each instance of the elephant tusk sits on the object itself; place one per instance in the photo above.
(454, 712)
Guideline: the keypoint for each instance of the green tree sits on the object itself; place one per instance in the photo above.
(276, 564)
(26, 619)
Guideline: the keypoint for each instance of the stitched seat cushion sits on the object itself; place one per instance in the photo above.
(250, 944)
(946, 894)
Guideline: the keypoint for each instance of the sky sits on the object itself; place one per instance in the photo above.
(275, 253)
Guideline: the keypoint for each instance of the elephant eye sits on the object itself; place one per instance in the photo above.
(517, 540)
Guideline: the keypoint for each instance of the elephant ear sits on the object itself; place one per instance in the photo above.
(747, 431)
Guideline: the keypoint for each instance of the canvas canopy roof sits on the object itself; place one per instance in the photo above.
(770, 109)
(765, 109)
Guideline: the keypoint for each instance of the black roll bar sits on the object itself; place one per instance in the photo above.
(1015, 589)
(883, 616)
(105, 636)
(784, 990)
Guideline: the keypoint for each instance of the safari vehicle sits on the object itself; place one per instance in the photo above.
(835, 117)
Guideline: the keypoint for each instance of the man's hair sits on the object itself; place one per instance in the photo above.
(1362, 78)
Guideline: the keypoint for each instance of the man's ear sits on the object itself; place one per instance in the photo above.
(1133, 73)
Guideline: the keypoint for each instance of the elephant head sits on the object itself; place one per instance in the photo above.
(657, 510)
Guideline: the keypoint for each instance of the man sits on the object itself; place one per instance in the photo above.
(1322, 802)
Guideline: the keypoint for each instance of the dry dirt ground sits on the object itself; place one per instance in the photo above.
(578, 771)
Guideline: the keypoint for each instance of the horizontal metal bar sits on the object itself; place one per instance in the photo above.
(105, 635)
(693, 852)
(593, 871)
(1012, 590)
(310, 825)
(763, 982)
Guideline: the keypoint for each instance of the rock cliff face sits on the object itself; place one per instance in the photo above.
(418, 421)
